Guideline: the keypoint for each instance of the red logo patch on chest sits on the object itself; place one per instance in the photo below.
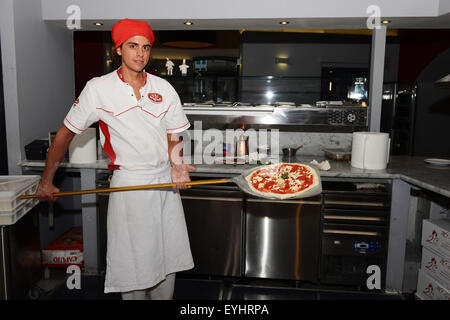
(155, 97)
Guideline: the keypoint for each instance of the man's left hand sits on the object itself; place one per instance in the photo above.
(180, 174)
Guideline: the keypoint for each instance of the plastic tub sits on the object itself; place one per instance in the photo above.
(11, 217)
(12, 187)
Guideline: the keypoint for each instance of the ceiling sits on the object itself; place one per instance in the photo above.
(251, 14)
(440, 22)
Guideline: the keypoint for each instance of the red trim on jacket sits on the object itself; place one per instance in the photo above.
(180, 127)
(73, 125)
(156, 116)
(116, 115)
(127, 110)
(105, 110)
(120, 74)
(107, 146)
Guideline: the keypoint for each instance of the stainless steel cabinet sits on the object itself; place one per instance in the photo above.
(214, 221)
(282, 238)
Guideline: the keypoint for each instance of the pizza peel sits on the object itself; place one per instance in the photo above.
(239, 180)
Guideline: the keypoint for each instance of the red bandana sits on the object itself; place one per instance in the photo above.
(127, 28)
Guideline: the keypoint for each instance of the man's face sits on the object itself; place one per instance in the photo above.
(135, 53)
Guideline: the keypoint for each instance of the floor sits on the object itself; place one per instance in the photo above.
(189, 288)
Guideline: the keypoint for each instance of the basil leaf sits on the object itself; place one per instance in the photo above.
(284, 176)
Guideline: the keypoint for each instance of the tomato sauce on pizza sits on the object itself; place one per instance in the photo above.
(286, 178)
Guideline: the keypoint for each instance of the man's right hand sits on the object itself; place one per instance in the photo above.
(55, 154)
(45, 192)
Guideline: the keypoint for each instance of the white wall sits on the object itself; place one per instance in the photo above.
(38, 75)
(444, 7)
(10, 83)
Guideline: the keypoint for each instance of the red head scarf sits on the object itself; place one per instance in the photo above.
(127, 28)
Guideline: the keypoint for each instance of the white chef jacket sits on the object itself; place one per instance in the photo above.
(133, 133)
(147, 234)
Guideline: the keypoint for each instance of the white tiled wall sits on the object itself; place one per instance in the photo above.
(313, 142)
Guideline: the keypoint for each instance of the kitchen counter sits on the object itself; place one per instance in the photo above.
(412, 170)
(405, 172)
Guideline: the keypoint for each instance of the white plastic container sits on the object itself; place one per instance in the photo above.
(11, 217)
(12, 187)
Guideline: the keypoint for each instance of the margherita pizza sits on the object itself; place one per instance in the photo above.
(283, 180)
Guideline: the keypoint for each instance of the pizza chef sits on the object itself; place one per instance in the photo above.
(139, 117)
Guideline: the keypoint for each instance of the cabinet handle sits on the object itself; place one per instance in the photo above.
(354, 218)
(284, 201)
(356, 203)
(359, 233)
(210, 198)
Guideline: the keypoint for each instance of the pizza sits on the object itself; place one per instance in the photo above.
(283, 180)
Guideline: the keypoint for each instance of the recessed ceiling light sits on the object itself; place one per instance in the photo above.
(188, 23)
(98, 24)
(386, 21)
(284, 22)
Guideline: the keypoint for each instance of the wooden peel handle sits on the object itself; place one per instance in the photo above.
(130, 188)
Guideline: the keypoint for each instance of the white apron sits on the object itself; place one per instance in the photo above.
(147, 235)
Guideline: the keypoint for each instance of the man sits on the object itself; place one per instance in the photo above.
(139, 116)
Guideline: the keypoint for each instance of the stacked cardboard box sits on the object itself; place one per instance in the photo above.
(434, 274)
(65, 251)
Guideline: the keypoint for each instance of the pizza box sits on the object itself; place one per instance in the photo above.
(430, 289)
(436, 235)
(12, 187)
(436, 266)
(65, 251)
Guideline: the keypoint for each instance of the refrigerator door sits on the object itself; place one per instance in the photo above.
(214, 223)
(282, 239)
